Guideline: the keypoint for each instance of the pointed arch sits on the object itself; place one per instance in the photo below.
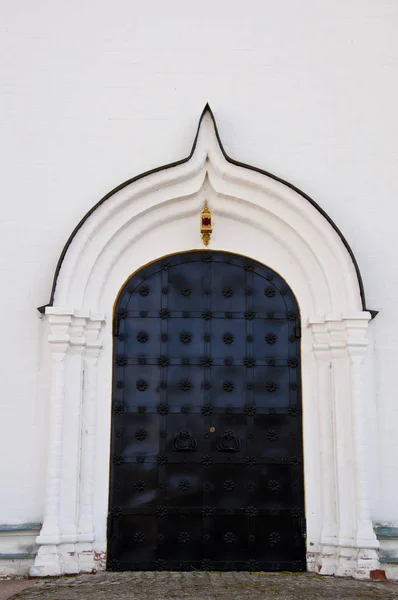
(207, 112)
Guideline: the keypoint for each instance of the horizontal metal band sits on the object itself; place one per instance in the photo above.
(386, 531)
(21, 527)
(17, 556)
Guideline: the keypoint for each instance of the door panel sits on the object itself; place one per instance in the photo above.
(206, 441)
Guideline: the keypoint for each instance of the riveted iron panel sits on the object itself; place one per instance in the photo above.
(206, 443)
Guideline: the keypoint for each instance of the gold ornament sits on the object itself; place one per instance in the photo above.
(206, 224)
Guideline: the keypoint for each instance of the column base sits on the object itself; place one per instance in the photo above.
(328, 560)
(87, 558)
(344, 561)
(47, 562)
(65, 559)
(367, 561)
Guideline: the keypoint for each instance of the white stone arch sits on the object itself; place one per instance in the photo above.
(261, 217)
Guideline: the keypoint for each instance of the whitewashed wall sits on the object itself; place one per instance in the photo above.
(95, 92)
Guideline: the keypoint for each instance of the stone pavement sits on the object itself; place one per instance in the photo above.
(9, 587)
(207, 586)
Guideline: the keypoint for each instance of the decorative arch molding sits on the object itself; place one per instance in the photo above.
(254, 214)
(207, 157)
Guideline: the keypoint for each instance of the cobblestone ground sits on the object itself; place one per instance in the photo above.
(207, 586)
(10, 587)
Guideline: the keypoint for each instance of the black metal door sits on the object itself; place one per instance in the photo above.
(206, 457)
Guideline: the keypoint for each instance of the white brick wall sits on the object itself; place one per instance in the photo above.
(96, 92)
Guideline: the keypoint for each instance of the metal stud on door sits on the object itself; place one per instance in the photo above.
(206, 441)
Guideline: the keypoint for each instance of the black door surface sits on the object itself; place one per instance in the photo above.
(206, 443)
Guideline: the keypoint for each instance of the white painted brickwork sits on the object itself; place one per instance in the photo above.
(96, 92)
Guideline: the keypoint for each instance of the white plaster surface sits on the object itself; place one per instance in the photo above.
(95, 93)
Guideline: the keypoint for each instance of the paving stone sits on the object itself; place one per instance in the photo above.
(207, 586)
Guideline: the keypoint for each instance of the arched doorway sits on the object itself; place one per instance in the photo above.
(156, 214)
(206, 442)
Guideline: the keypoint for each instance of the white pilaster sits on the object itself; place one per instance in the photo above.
(72, 443)
(72, 435)
(85, 528)
(365, 538)
(348, 542)
(67, 532)
(343, 443)
(328, 542)
(47, 561)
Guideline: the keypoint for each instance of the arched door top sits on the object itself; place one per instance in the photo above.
(236, 191)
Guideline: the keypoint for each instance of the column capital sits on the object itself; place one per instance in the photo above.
(93, 329)
(356, 326)
(94, 326)
(92, 351)
(59, 319)
(59, 336)
(73, 330)
(320, 338)
(344, 332)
